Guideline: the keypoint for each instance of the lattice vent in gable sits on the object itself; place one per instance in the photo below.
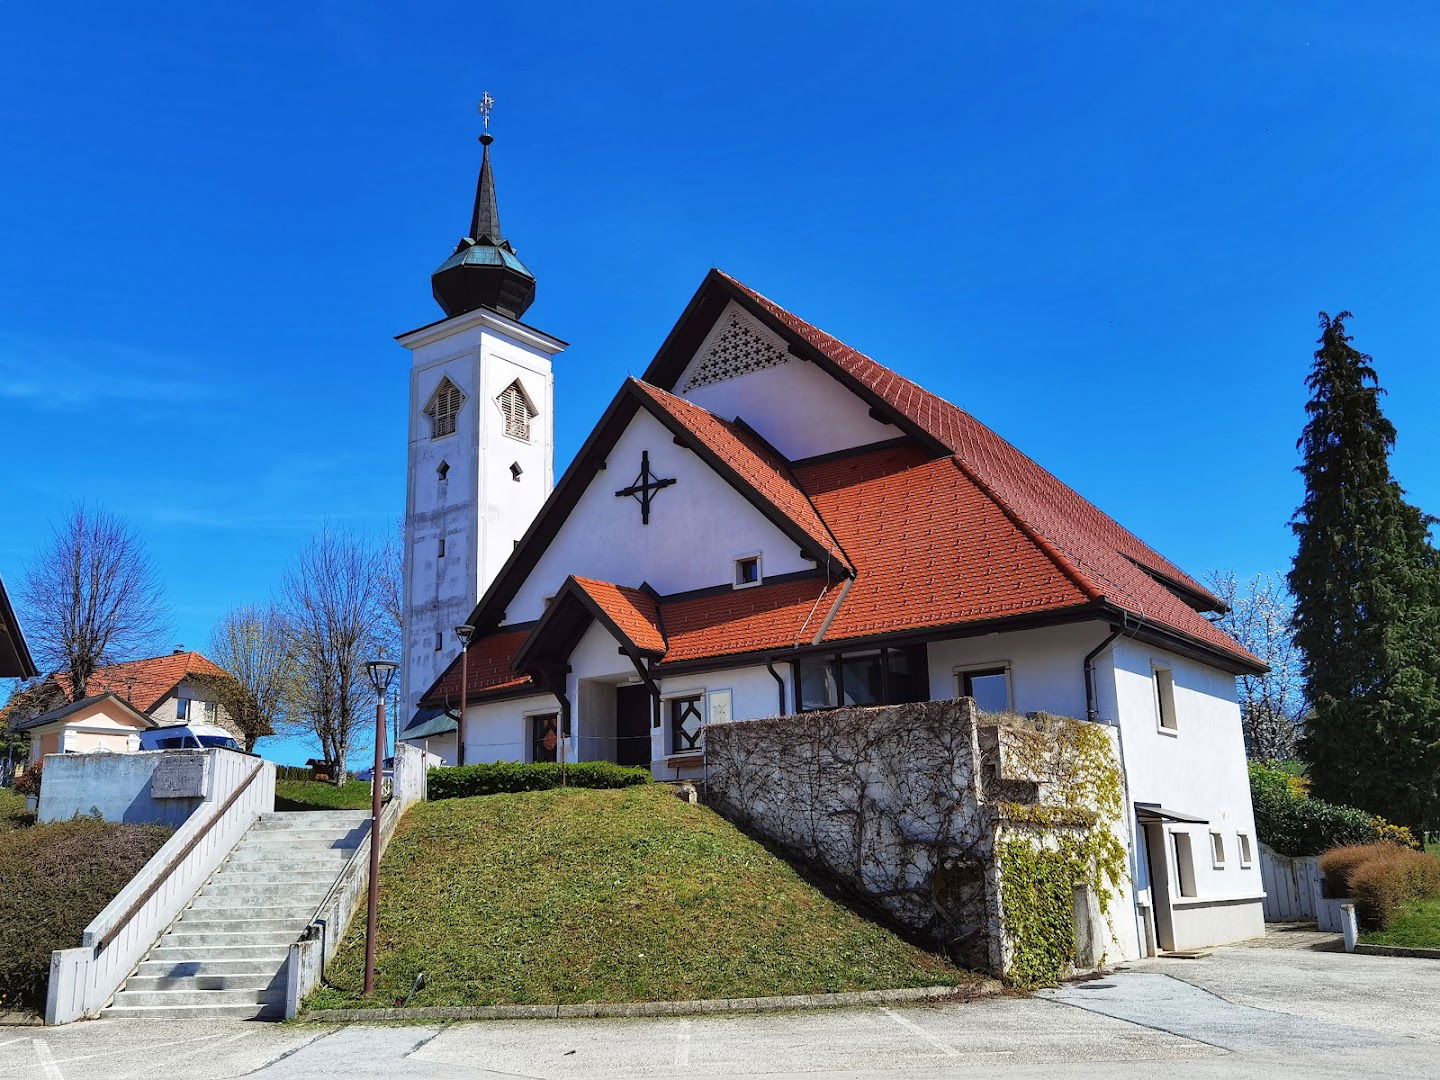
(737, 347)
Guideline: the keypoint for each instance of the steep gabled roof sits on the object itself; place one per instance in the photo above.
(737, 455)
(145, 683)
(630, 615)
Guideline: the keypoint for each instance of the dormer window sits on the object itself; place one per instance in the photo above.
(747, 571)
(444, 406)
(516, 408)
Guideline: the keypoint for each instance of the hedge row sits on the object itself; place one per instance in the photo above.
(1381, 877)
(458, 782)
(1294, 824)
(55, 878)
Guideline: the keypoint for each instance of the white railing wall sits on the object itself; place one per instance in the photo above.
(1292, 886)
(83, 980)
(320, 940)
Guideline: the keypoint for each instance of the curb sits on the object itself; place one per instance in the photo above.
(1396, 950)
(595, 1010)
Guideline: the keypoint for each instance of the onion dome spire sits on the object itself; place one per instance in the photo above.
(484, 270)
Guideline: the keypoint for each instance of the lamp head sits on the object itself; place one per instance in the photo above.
(465, 632)
(381, 672)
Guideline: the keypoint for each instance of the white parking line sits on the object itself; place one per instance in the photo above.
(111, 1053)
(944, 1047)
(47, 1060)
(149, 1067)
(682, 1043)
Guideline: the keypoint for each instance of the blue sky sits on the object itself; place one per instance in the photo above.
(1103, 228)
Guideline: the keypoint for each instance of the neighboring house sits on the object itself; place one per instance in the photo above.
(178, 688)
(101, 723)
(770, 522)
(15, 662)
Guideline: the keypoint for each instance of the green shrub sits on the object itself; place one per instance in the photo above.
(55, 878)
(507, 778)
(1294, 824)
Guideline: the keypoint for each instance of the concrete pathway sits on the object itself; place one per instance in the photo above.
(1269, 1014)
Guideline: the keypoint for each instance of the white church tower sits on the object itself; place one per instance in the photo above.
(481, 442)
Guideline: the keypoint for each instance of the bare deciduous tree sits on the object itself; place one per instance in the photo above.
(92, 597)
(1272, 705)
(254, 644)
(334, 607)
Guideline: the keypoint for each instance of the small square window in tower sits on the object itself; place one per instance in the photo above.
(517, 410)
(443, 407)
(747, 571)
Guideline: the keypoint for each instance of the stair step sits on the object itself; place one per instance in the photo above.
(215, 912)
(244, 876)
(279, 894)
(291, 926)
(254, 981)
(237, 1011)
(203, 954)
(179, 969)
(258, 852)
(179, 997)
(178, 937)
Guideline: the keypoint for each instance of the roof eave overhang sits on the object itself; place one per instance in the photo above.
(1182, 644)
(559, 619)
(18, 664)
(482, 317)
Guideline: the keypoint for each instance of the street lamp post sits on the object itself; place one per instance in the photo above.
(464, 632)
(381, 672)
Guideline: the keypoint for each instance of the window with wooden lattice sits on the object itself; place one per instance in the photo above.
(517, 411)
(444, 406)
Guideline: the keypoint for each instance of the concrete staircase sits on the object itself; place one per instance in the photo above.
(225, 955)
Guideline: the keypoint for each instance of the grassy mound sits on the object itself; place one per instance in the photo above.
(624, 895)
(320, 795)
(54, 879)
(1414, 925)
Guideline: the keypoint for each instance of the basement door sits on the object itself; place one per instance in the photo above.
(632, 725)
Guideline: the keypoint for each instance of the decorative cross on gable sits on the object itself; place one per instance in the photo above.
(644, 488)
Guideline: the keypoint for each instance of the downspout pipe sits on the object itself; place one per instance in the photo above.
(1092, 709)
(779, 683)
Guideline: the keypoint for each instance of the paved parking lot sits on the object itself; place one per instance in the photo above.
(1242, 1012)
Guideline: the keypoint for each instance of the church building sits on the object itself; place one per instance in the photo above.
(768, 522)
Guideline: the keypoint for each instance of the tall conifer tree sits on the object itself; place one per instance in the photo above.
(1366, 581)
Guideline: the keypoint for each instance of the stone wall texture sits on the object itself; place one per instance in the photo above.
(902, 805)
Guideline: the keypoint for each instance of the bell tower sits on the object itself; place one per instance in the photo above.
(481, 442)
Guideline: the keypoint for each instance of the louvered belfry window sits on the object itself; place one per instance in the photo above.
(444, 406)
(515, 408)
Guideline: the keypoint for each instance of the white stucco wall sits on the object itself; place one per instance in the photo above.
(799, 409)
(479, 509)
(698, 526)
(1198, 771)
(1045, 665)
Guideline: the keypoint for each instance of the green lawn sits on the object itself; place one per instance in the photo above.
(581, 895)
(318, 795)
(14, 810)
(1416, 925)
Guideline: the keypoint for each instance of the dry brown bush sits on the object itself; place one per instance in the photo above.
(1380, 877)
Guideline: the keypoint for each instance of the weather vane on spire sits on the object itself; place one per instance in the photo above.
(486, 104)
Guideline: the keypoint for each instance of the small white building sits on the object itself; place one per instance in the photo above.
(768, 522)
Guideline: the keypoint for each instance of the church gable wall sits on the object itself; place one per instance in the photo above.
(744, 370)
(698, 526)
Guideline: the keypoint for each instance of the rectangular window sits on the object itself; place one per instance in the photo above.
(1165, 700)
(1217, 851)
(211, 711)
(439, 641)
(747, 571)
(874, 677)
(1184, 863)
(440, 552)
(687, 725)
(544, 736)
(1246, 858)
(182, 708)
(990, 687)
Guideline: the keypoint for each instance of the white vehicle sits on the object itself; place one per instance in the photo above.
(188, 737)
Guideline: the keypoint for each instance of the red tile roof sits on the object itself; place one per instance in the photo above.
(144, 683)
(1071, 523)
(489, 668)
(634, 611)
(753, 461)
